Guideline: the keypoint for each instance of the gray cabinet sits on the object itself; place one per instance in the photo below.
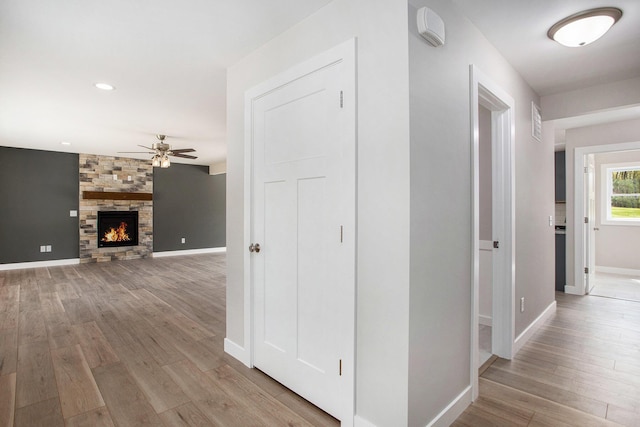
(561, 271)
(561, 179)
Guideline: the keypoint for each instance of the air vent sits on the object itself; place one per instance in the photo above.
(536, 122)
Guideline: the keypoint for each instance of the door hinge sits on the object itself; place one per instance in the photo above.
(586, 220)
(340, 367)
(341, 233)
(586, 270)
(341, 99)
(586, 169)
(496, 244)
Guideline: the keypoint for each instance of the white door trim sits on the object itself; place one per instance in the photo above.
(579, 210)
(486, 92)
(346, 53)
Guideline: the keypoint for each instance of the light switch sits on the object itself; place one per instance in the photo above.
(48, 248)
(73, 213)
(43, 248)
(184, 240)
(115, 177)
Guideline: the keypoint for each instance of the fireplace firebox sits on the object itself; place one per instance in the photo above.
(117, 228)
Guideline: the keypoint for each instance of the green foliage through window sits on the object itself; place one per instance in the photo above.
(625, 197)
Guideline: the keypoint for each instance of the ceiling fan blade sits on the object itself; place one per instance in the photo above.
(184, 156)
(139, 152)
(183, 150)
(148, 148)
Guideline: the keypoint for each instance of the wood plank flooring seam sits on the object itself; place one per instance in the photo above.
(538, 397)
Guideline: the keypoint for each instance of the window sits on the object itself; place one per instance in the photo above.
(621, 194)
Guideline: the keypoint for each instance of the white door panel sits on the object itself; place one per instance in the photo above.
(303, 148)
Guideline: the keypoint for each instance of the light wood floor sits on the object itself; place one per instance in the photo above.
(130, 343)
(582, 368)
(136, 343)
(616, 286)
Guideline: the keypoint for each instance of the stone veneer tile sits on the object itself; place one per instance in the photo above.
(96, 174)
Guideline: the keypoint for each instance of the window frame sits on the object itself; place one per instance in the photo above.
(606, 190)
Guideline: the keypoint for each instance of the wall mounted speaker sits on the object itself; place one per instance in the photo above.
(430, 26)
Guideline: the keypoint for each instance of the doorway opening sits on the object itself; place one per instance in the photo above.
(610, 232)
(594, 234)
(494, 226)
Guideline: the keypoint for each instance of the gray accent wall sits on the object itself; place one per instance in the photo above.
(37, 191)
(188, 203)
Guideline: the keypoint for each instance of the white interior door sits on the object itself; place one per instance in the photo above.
(304, 221)
(590, 225)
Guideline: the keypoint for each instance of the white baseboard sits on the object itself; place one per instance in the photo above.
(572, 290)
(614, 270)
(38, 264)
(237, 352)
(453, 410)
(188, 252)
(485, 320)
(533, 327)
(358, 421)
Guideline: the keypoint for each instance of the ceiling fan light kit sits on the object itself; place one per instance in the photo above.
(584, 27)
(162, 151)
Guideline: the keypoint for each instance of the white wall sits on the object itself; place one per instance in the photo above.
(414, 199)
(383, 187)
(485, 207)
(617, 246)
(607, 96)
(484, 160)
(610, 133)
(441, 218)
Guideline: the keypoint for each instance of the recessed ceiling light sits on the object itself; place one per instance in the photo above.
(104, 86)
(584, 27)
(65, 143)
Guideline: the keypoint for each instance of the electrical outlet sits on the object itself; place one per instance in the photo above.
(115, 177)
(73, 213)
(129, 178)
(522, 305)
(184, 240)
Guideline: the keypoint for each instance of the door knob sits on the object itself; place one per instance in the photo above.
(254, 247)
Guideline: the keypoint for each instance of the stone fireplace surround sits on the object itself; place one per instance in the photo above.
(121, 175)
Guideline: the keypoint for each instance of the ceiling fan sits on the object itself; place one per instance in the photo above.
(161, 152)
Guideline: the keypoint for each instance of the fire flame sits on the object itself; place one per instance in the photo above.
(117, 235)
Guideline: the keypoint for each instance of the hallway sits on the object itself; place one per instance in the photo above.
(582, 368)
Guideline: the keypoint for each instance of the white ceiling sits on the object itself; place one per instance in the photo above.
(518, 29)
(168, 58)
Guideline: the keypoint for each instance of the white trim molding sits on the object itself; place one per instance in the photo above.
(485, 320)
(358, 421)
(621, 271)
(484, 91)
(237, 351)
(189, 252)
(533, 327)
(39, 264)
(453, 410)
(579, 210)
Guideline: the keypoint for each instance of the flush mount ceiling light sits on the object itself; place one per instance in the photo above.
(104, 86)
(584, 27)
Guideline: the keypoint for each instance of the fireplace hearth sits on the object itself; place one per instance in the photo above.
(117, 228)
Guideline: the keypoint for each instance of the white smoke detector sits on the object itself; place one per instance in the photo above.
(430, 26)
